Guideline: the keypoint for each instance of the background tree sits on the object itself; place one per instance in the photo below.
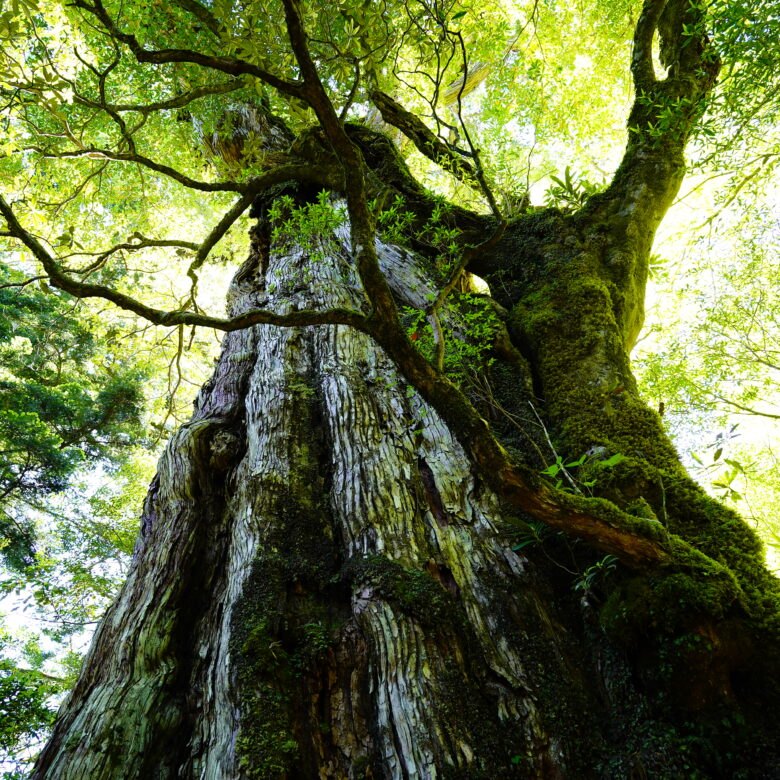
(716, 376)
(350, 563)
(59, 413)
(77, 390)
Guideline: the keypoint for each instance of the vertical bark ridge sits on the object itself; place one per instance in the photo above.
(135, 697)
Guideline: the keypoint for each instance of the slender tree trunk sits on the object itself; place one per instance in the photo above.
(324, 588)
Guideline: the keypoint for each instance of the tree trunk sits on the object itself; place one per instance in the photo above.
(323, 587)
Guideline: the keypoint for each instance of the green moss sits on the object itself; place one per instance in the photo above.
(288, 611)
(460, 702)
(280, 628)
(576, 330)
(656, 748)
(302, 536)
(694, 624)
(413, 591)
(667, 602)
(527, 616)
(278, 631)
(463, 697)
(278, 635)
(265, 745)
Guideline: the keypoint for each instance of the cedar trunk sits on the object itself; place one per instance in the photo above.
(325, 587)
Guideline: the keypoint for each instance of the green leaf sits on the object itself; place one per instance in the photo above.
(612, 461)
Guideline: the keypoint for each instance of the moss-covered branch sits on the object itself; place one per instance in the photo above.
(642, 58)
(664, 112)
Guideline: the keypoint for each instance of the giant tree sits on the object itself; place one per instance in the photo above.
(352, 561)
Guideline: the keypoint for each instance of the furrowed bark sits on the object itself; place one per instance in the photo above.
(314, 510)
(330, 581)
(325, 587)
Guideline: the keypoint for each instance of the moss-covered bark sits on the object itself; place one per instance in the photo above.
(325, 587)
(692, 627)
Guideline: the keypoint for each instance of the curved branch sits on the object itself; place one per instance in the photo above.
(468, 254)
(636, 542)
(79, 189)
(179, 101)
(166, 170)
(360, 218)
(231, 65)
(219, 230)
(389, 172)
(661, 121)
(62, 281)
(423, 138)
(127, 246)
(102, 75)
(479, 171)
(642, 58)
(746, 409)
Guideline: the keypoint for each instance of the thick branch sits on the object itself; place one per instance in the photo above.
(636, 543)
(665, 111)
(361, 220)
(662, 118)
(642, 58)
(639, 544)
(423, 138)
(388, 172)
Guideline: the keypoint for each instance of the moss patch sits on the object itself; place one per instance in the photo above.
(265, 745)
(412, 591)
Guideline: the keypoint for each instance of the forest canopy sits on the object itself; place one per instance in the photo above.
(140, 140)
